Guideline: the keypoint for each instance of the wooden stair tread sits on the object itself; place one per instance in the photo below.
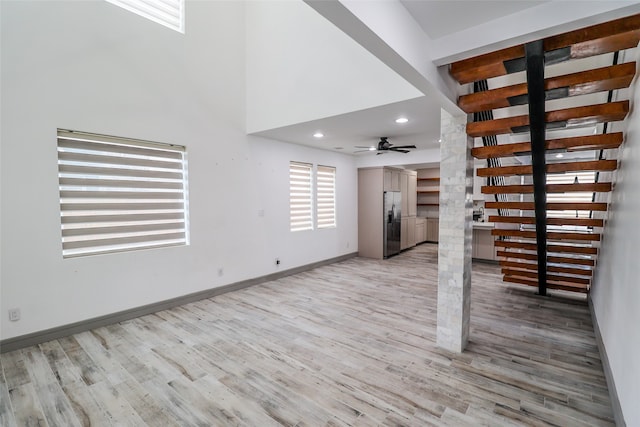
(600, 187)
(578, 143)
(567, 260)
(564, 248)
(607, 112)
(572, 249)
(594, 40)
(555, 269)
(534, 283)
(529, 206)
(589, 165)
(587, 222)
(550, 277)
(581, 83)
(551, 235)
(550, 259)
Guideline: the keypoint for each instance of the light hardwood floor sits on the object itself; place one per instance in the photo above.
(352, 343)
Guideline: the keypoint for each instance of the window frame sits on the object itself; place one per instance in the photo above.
(168, 13)
(322, 197)
(301, 196)
(120, 194)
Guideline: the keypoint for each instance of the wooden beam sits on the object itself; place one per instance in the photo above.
(591, 165)
(578, 143)
(581, 83)
(597, 39)
(586, 222)
(528, 206)
(598, 113)
(599, 187)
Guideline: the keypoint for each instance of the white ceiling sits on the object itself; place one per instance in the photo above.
(364, 128)
(444, 17)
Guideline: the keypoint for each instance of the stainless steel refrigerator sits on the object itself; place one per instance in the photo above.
(392, 215)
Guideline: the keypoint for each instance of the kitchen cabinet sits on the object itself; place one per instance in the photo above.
(433, 229)
(411, 231)
(421, 230)
(404, 233)
(391, 180)
(372, 183)
(483, 246)
(412, 192)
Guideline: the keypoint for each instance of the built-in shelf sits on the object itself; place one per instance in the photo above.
(429, 179)
(428, 204)
(428, 191)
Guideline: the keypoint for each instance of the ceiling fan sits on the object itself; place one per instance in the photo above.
(385, 146)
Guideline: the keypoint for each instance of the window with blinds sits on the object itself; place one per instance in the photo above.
(300, 196)
(326, 197)
(572, 197)
(169, 13)
(118, 194)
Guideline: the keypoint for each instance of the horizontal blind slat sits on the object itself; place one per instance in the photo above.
(82, 144)
(122, 240)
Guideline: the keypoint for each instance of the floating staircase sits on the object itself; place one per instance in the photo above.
(550, 211)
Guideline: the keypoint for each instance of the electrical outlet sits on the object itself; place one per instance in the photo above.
(220, 271)
(14, 314)
(277, 261)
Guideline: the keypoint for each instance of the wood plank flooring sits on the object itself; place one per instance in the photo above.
(349, 344)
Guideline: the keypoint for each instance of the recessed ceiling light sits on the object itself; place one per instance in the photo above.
(402, 120)
(372, 148)
(559, 156)
(439, 140)
(318, 135)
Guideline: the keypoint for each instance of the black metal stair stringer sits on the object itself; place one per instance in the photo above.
(534, 54)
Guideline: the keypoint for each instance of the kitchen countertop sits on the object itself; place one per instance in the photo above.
(483, 225)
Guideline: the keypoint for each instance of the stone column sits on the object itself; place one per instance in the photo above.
(456, 228)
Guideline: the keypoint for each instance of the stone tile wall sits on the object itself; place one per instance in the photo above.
(454, 247)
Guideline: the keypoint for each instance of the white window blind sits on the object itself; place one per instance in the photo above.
(118, 194)
(572, 197)
(326, 197)
(300, 196)
(169, 13)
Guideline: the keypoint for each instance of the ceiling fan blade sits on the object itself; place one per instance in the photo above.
(362, 146)
(403, 146)
(400, 151)
(378, 153)
(361, 151)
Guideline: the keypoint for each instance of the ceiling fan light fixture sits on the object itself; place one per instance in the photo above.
(372, 148)
(401, 120)
(318, 135)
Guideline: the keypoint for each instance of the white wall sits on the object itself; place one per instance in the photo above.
(300, 67)
(99, 68)
(616, 290)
